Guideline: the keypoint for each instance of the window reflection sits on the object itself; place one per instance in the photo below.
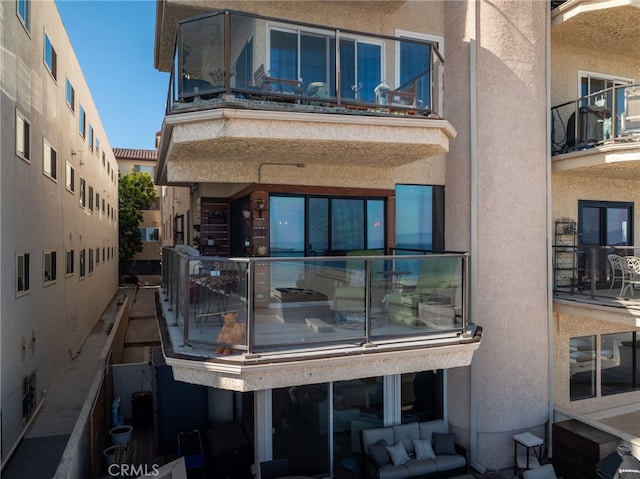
(582, 361)
(617, 363)
(421, 396)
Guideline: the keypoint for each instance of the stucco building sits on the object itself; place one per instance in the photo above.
(58, 213)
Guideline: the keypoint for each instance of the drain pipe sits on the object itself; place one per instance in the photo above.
(473, 145)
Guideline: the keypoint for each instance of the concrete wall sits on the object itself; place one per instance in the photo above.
(39, 214)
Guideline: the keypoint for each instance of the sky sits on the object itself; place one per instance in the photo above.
(113, 41)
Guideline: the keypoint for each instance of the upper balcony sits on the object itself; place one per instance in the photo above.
(598, 134)
(237, 323)
(257, 89)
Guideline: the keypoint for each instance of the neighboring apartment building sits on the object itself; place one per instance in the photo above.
(595, 128)
(59, 193)
(147, 261)
(392, 126)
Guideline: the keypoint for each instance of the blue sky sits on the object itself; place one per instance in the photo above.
(113, 41)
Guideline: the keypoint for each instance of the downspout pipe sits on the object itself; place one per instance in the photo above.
(473, 147)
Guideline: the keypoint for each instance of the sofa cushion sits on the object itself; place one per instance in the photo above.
(421, 467)
(444, 443)
(379, 453)
(423, 449)
(393, 472)
(406, 433)
(428, 428)
(448, 462)
(371, 436)
(398, 454)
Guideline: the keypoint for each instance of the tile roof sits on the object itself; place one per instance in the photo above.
(135, 154)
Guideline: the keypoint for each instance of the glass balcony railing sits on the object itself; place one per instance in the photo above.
(607, 116)
(259, 305)
(249, 60)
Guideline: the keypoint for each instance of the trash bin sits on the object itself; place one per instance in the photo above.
(142, 408)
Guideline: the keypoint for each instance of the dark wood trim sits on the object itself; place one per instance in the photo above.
(311, 190)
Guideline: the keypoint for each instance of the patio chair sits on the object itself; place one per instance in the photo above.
(403, 98)
(543, 472)
(630, 118)
(631, 273)
(270, 81)
(617, 271)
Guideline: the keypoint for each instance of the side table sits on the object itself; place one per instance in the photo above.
(526, 461)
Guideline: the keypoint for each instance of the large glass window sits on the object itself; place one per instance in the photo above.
(149, 234)
(315, 226)
(419, 217)
(618, 363)
(421, 396)
(582, 366)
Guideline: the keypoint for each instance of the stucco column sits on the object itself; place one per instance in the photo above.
(496, 208)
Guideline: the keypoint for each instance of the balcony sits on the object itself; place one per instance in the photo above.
(598, 134)
(249, 88)
(325, 318)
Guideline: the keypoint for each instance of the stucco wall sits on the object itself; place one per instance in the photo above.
(39, 214)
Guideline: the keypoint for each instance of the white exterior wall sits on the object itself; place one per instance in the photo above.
(38, 214)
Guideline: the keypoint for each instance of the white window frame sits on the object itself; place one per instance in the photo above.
(23, 270)
(600, 76)
(69, 258)
(70, 178)
(49, 161)
(53, 68)
(26, 20)
(23, 137)
(49, 259)
(71, 102)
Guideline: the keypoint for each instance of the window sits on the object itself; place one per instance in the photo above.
(24, 13)
(103, 206)
(90, 196)
(69, 262)
(104, 159)
(23, 142)
(103, 257)
(28, 395)
(619, 363)
(90, 141)
(90, 260)
(98, 202)
(70, 95)
(23, 273)
(97, 147)
(82, 193)
(582, 366)
(70, 180)
(49, 264)
(82, 123)
(97, 256)
(50, 57)
(145, 169)
(420, 217)
(50, 161)
(315, 225)
(83, 271)
(149, 234)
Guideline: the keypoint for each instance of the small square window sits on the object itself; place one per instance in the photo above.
(70, 180)
(24, 13)
(69, 262)
(22, 273)
(50, 57)
(49, 267)
(23, 134)
(70, 95)
(50, 161)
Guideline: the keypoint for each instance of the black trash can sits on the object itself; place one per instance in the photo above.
(142, 408)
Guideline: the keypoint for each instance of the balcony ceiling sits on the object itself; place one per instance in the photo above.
(613, 24)
(618, 161)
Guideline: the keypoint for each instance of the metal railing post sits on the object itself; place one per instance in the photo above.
(250, 311)
(367, 301)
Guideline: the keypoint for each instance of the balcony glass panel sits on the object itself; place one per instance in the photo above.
(617, 363)
(277, 61)
(315, 302)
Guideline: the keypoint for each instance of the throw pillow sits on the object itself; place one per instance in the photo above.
(357, 277)
(444, 443)
(397, 453)
(423, 449)
(378, 452)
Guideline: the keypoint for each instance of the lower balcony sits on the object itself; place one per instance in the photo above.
(237, 323)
